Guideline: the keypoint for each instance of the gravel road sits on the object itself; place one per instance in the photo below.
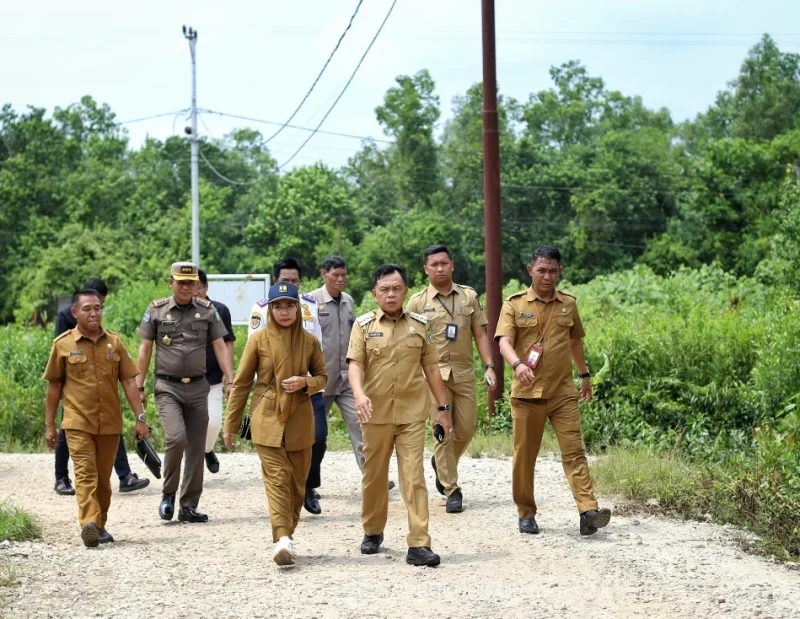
(638, 566)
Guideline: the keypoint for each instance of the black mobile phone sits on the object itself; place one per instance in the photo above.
(438, 432)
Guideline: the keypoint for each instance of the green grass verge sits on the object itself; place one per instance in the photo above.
(18, 525)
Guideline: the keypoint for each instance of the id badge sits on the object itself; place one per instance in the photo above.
(450, 331)
(534, 356)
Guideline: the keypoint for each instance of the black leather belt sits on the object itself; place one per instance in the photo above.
(185, 381)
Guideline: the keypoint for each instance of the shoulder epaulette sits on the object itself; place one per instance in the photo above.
(517, 294)
(417, 294)
(465, 287)
(566, 294)
(203, 302)
(308, 297)
(262, 302)
(160, 302)
(365, 319)
(418, 317)
(114, 333)
(67, 332)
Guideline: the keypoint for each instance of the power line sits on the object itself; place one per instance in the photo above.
(144, 118)
(222, 176)
(316, 81)
(300, 128)
(344, 90)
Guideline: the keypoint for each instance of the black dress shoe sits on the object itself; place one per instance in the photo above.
(167, 507)
(371, 544)
(454, 502)
(315, 492)
(594, 519)
(422, 556)
(439, 485)
(90, 534)
(311, 504)
(131, 482)
(212, 463)
(105, 538)
(64, 487)
(190, 514)
(528, 525)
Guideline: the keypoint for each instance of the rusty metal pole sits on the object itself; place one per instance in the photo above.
(491, 191)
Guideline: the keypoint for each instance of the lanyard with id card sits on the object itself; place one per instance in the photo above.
(451, 328)
(534, 354)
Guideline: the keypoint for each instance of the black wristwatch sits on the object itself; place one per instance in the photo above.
(488, 366)
(443, 409)
(584, 375)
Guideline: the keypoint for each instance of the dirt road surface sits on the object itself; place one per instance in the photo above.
(637, 567)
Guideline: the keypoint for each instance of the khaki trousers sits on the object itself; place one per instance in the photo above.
(184, 413)
(284, 474)
(461, 398)
(93, 458)
(409, 441)
(529, 417)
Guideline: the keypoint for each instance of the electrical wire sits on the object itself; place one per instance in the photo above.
(298, 127)
(222, 176)
(144, 118)
(316, 81)
(344, 90)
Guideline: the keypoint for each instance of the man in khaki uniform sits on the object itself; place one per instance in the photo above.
(387, 348)
(336, 319)
(181, 325)
(456, 318)
(540, 335)
(86, 364)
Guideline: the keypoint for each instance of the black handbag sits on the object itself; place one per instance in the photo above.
(244, 429)
(149, 456)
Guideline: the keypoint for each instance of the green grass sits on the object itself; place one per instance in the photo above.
(640, 475)
(18, 525)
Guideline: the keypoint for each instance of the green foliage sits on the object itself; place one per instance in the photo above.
(18, 525)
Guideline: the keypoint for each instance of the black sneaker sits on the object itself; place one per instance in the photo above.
(528, 525)
(455, 502)
(131, 482)
(422, 556)
(212, 462)
(64, 487)
(371, 544)
(594, 519)
(439, 485)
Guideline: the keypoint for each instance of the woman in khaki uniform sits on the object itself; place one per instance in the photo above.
(290, 367)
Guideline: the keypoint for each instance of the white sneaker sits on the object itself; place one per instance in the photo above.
(283, 554)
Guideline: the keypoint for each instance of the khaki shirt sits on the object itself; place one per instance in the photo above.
(90, 372)
(393, 353)
(181, 334)
(462, 307)
(521, 318)
(336, 321)
(297, 432)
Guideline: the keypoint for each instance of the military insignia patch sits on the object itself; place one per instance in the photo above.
(307, 316)
(216, 315)
(147, 316)
(429, 335)
(255, 321)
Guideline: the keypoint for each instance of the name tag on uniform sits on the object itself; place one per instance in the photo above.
(324, 313)
(527, 315)
(75, 352)
(428, 309)
(375, 334)
(450, 331)
(168, 322)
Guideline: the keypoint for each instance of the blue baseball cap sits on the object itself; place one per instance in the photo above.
(282, 290)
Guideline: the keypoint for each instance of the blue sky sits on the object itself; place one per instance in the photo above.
(259, 58)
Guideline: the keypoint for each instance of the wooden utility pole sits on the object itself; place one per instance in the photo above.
(491, 191)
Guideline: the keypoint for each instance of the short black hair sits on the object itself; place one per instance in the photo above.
(334, 262)
(96, 284)
(388, 269)
(435, 249)
(546, 251)
(203, 276)
(85, 292)
(286, 263)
